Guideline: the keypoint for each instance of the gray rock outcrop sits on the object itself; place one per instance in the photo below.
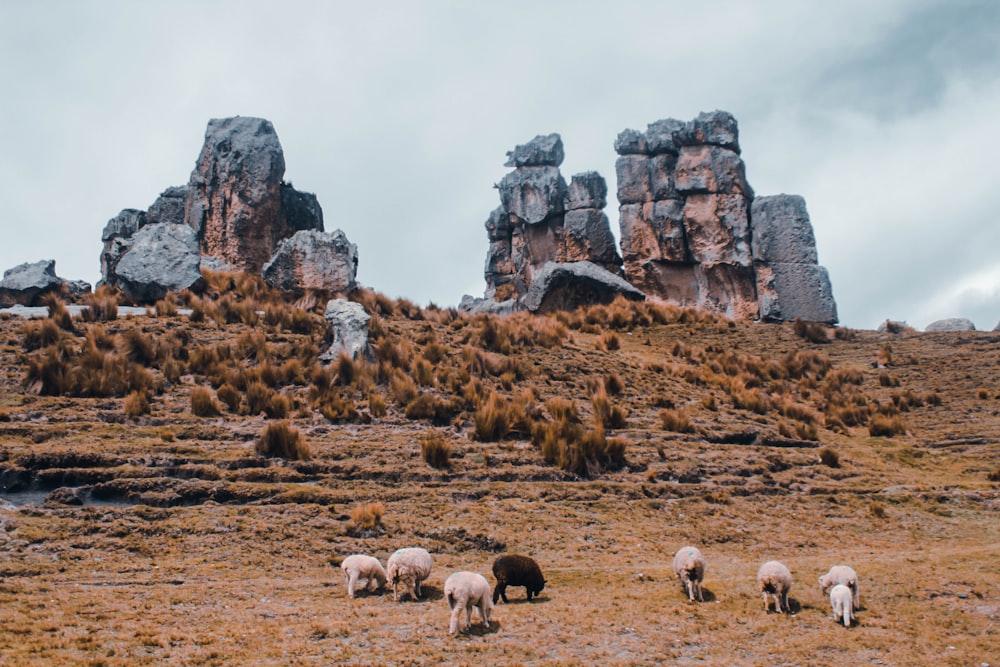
(117, 239)
(160, 258)
(790, 283)
(541, 219)
(169, 206)
(27, 284)
(313, 260)
(348, 322)
(236, 201)
(693, 233)
(684, 205)
(951, 324)
(568, 285)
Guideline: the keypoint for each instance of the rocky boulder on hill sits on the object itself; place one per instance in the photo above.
(565, 286)
(236, 201)
(348, 322)
(27, 284)
(312, 260)
(951, 324)
(160, 258)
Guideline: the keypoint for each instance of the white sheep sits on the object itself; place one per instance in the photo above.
(364, 572)
(774, 579)
(842, 601)
(842, 574)
(463, 591)
(689, 566)
(408, 567)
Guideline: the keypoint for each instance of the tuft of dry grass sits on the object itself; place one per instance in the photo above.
(202, 403)
(829, 457)
(366, 518)
(137, 404)
(883, 426)
(282, 440)
(812, 332)
(677, 421)
(435, 449)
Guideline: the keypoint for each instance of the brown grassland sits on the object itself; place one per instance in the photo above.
(180, 486)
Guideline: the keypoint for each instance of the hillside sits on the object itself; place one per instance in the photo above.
(598, 441)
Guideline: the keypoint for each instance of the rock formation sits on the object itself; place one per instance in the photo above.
(240, 210)
(236, 200)
(540, 219)
(159, 258)
(565, 286)
(27, 284)
(348, 322)
(313, 260)
(951, 324)
(687, 227)
(790, 283)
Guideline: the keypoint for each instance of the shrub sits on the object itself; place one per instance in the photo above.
(202, 403)
(609, 341)
(138, 347)
(282, 440)
(676, 421)
(40, 334)
(102, 305)
(366, 517)
(607, 415)
(576, 450)
(402, 388)
(58, 312)
(435, 449)
(279, 406)
(982, 393)
(229, 395)
(613, 384)
(137, 404)
(810, 331)
(48, 374)
(490, 419)
(750, 399)
(439, 411)
(258, 397)
(880, 425)
(338, 408)
(376, 405)
(888, 380)
(829, 457)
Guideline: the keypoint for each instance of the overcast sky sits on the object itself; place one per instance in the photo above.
(884, 115)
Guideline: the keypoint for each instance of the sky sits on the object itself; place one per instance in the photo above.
(884, 115)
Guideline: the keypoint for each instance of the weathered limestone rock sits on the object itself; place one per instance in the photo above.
(312, 260)
(117, 238)
(236, 201)
(692, 232)
(27, 284)
(790, 283)
(543, 150)
(951, 324)
(348, 322)
(161, 258)
(475, 306)
(168, 207)
(541, 219)
(565, 286)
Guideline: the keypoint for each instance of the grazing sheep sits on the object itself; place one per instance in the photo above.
(409, 567)
(689, 566)
(842, 574)
(463, 591)
(774, 579)
(842, 601)
(517, 570)
(360, 568)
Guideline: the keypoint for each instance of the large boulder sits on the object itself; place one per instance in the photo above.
(236, 201)
(348, 322)
(951, 324)
(312, 260)
(533, 194)
(27, 284)
(716, 128)
(168, 207)
(117, 239)
(545, 150)
(161, 258)
(782, 231)
(569, 285)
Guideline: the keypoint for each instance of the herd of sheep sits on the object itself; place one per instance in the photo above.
(465, 591)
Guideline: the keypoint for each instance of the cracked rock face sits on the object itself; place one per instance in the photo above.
(541, 219)
(236, 200)
(160, 258)
(693, 232)
(312, 260)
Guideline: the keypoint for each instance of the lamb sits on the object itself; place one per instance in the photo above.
(360, 568)
(842, 601)
(408, 567)
(774, 579)
(463, 591)
(842, 574)
(517, 570)
(689, 566)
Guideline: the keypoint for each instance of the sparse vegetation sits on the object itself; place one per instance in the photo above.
(435, 449)
(282, 440)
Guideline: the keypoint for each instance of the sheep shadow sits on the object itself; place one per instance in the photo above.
(481, 630)
(430, 593)
(707, 595)
(523, 600)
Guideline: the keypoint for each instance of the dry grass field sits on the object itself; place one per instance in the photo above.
(150, 520)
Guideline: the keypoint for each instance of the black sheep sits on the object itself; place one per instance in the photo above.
(516, 570)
